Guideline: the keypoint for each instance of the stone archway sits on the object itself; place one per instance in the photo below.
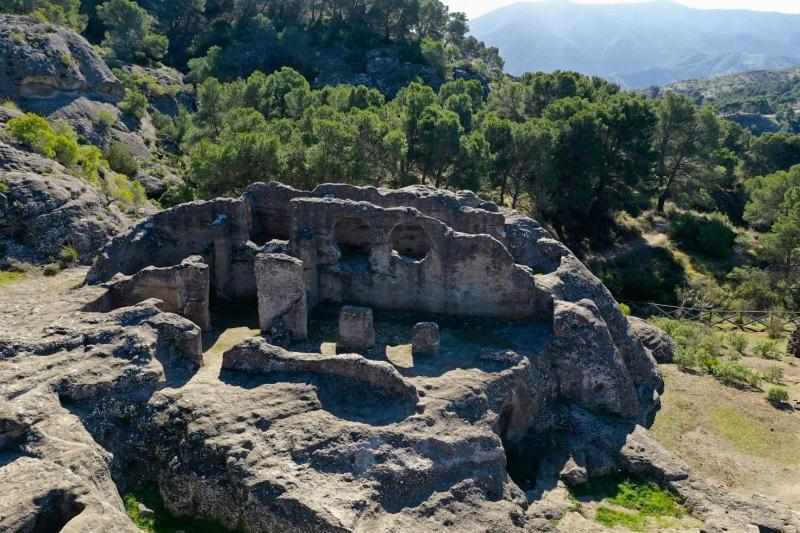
(411, 242)
(354, 237)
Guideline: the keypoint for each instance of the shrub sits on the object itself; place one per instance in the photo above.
(777, 395)
(625, 308)
(56, 141)
(775, 327)
(51, 269)
(767, 349)
(651, 276)
(9, 104)
(121, 159)
(733, 373)
(738, 344)
(708, 234)
(134, 104)
(12, 265)
(5, 188)
(104, 119)
(686, 359)
(773, 374)
(69, 255)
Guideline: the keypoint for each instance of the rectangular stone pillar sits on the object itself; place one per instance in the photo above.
(281, 294)
(356, 328)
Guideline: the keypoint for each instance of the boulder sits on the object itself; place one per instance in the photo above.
(44, 208)
(425, 340)
(661, 345)
(42, 60)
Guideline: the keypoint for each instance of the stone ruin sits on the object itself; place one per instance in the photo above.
(535, 379)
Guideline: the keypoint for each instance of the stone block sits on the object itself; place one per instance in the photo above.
(281, 295)
(426, 339)
(356, 328)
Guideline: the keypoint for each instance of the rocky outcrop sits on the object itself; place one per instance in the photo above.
(44, 209)
(53, 472)
(478, 436)
(42, 60)
(661, 345)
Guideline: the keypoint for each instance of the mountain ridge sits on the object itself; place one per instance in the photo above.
(639, 45)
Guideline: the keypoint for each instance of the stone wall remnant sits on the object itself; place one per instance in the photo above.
(356, 328)
(183, 289)
(281, 294)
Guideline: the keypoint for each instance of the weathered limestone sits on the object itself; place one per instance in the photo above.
(444, 272)
(356, 329)
(258, 356)
(426, 339)
(281, 294)
(183, 289)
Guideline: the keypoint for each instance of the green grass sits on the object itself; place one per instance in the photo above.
(637, 498)
(163, 521)
(754, 435)
(9, 277)
(611, 517)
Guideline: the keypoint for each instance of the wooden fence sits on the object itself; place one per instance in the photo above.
(722, 318)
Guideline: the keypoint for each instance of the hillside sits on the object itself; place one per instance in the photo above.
(639, 45)
(765, 99)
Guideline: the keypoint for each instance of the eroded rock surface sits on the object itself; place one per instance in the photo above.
(477, 437)
(44, 208)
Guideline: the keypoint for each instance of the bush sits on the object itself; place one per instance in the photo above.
(775, 327)
(767, 349)
(651, 276)
(68, 256)
(121, 159)
(773, 374)
(625, 308)
(777, 395)
(104, 119)
(53, 141)
(738, 343)
(52, 269)
(5, 188)
(732, 373)
(134, 104)
(709, 234)
(12, 265)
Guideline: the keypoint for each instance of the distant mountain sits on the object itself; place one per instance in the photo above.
(639, 45)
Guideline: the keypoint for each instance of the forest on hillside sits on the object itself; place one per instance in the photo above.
(589, 160)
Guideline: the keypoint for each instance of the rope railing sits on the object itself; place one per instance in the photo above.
(721, 318)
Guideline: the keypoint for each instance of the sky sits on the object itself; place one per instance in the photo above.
(475, 8)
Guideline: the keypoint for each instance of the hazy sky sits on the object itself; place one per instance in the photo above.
(474, 8)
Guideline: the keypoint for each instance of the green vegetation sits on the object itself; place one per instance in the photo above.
(751, 93)
(121, 159)
(104, 119)
(9, 277)
(59, 141)
(162, 521)
(51, 269)
(64, 12)
(767, 349)
(612, 517)
(134, 104)
(777, 395)
(628, 501)
(68, 256)
(129, 32)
